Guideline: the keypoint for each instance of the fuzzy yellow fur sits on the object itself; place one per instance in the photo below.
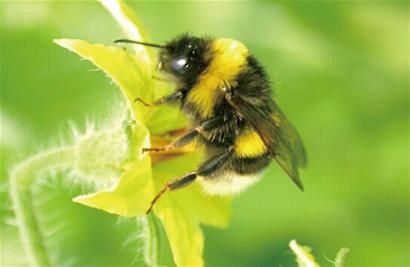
(228, 59)
(249, 144)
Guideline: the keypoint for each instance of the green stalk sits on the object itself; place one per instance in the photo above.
(340, 257)
(150, 233)
(21, 181)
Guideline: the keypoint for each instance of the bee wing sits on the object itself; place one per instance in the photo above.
(278, 134)
(287, 131)
(289, 151)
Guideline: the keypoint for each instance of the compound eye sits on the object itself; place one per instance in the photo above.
(179, 64)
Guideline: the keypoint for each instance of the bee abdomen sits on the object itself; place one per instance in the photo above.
(228, 183)
(249, 144)
(235, 176)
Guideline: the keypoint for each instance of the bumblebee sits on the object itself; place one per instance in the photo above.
(227, 97)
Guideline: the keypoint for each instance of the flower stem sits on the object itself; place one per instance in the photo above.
(341, 255)
(303, 256)
(21, 180)
(150, 233)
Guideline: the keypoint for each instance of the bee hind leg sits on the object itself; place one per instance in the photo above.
(214, 164)
(173, 185)
(206, 169)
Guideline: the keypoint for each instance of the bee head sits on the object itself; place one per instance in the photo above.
(184, 57)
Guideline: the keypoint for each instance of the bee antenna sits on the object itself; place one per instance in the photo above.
(138, 42)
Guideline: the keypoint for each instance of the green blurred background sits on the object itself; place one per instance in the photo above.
(340, 71)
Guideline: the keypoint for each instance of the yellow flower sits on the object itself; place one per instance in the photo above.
(180, 212)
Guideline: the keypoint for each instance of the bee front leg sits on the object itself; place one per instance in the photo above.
(206, 169)
(169, 99)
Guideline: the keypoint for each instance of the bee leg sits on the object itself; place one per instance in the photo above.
(159, 79)
(183, 140)
(169, 99)
(173, 185)
(206, 169)
(214, 164)
(189, 136)
(138, 99)
(173, 133)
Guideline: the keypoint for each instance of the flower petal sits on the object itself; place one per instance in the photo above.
(130, 197)
(182, 211)
(184, 234)
(130, 25)
(206, 209)
(125, 69)
(165, 119)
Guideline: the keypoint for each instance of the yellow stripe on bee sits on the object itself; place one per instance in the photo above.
(228, 58)
(249, 144)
